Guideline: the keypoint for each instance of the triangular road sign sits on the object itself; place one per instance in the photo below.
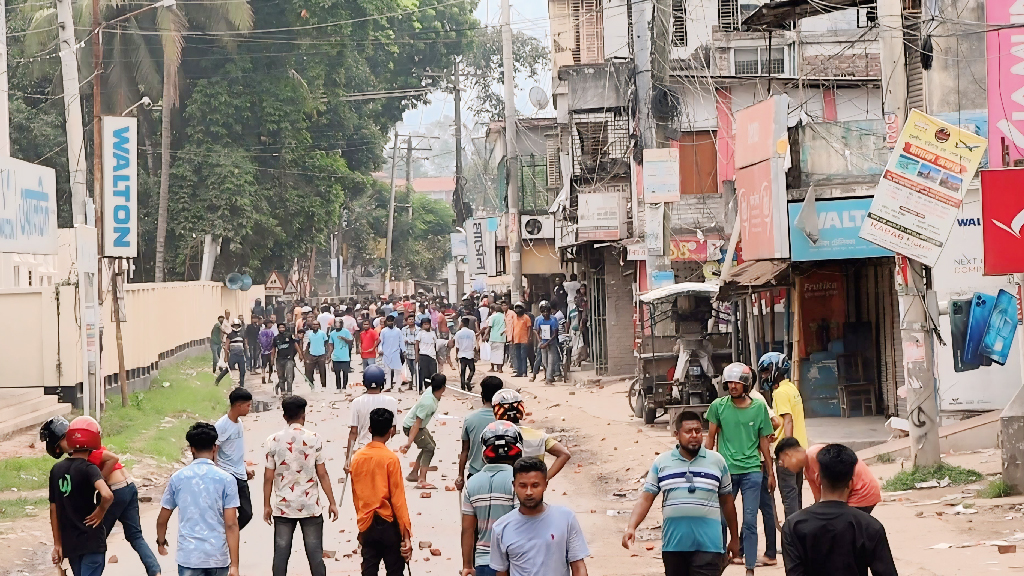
(290, 289)
(274, 285)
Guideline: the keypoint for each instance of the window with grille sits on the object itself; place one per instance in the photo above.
(553, 160)
(759, 61)
(535, 197)
(597, 138)
(588, 22)
(729, 15)
(679, 22)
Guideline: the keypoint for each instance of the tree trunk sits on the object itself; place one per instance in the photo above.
(170, 73)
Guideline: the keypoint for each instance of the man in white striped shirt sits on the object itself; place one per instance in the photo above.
(360, 408)
(489, 495)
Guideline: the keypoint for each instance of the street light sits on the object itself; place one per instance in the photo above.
(145, 103)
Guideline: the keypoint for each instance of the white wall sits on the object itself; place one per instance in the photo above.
(616, 29)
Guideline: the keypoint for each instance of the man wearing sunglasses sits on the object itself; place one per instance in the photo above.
(696, 491)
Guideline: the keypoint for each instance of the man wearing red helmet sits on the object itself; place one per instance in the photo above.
(75, 518)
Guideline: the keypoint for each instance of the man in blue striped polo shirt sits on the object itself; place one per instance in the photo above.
(696, 491)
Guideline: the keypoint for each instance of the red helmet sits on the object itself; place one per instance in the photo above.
(83, 434)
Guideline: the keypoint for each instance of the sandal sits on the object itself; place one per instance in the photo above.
(426, 486)
(766, 561)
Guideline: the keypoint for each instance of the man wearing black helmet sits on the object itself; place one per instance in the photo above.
(741, 426)
(359, 434)
(488, 495)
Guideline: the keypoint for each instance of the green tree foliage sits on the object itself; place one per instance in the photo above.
(486, 69)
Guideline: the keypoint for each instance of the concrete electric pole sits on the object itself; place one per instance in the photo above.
(72, 109)
(391, 216)
(408, 172)
(458, 202)
(515, 242)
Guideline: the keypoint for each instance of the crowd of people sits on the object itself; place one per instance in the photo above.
(752, 446)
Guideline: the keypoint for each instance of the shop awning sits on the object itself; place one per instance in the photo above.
(707, 289)
(755, 276)
(779, 14)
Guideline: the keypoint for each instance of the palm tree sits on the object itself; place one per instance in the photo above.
(232, 15)
(132, 55)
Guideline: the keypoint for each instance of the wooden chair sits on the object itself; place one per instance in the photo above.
(855, 385)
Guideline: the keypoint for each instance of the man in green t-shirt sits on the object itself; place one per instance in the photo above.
(741, 427)
(415, 428)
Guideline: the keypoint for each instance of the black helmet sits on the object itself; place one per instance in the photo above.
(373, 377)
(502, 441)
(52, 432)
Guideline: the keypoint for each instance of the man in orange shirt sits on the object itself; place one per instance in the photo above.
(378, 492)
(520, 328)
(865, 491)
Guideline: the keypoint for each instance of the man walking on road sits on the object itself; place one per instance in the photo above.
(521, 331)
(217, 342)
(391, 345)
(207, 499)
(537, 538)
(368, 344)
(359, 433)
(409, 332)
(696, 492)
(231, 450)
(252, 342)
(415, 428)
(382, 514)
(294, 474)
(236, 353)
(495, 334)
(831, 537)
(266, 339)
(465, 348)
(315, 353)
(472, 426)
(546, 327)
(741, 426)
(425, 350)
(286, 347)
(865, 491)
(489, 496)
(789, 406)
(341, 353)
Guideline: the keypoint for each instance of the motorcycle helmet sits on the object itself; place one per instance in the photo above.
(83, 434)
(508, 405)
(738, 372)
(770, 366)
(501, 441)
(373, 377)
(544, 305)
(52, 432)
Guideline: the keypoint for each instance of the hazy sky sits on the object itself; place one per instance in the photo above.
(530, 16)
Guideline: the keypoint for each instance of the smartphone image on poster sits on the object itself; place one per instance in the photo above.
(981, 310)
(1002, 326)
(959, 315)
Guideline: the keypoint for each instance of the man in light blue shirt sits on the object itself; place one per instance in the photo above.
(341, 353)
(231, 449)
(316, 353)
(208, 517)
(392, 344)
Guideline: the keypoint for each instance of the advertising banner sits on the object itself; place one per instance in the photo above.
(921, 190)
(761, 131)
(823, 310)
(602, 216)
(839, 223)
(1002, 217)
(120, 186)
(764, 226)
(654, 229)
(1004, 45)
(661, 175)
(28, 211)
(980, 368)
(459, 245)
(476, 231)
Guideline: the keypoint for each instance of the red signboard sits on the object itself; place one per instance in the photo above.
(756, 213)
(1002, 217)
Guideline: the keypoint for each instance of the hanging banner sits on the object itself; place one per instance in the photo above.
(654, 229)
(920, 193)
(1004, 45)
(661, 175)
(476, 230)
(1002, 217)
(764, 225)
(28, 210)
(120, 186)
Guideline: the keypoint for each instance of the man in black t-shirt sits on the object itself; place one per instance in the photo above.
(78, 533)
(236, 353)
(252, 342)
(280, 310)
(286, 347)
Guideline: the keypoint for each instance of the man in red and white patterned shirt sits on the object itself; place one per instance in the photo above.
(294, 474)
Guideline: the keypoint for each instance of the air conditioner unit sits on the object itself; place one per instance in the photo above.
(538, 227)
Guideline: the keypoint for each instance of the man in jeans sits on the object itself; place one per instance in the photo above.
(409, 332)
(546, 327)
(315, 349)
(208, 520)
(415, 428)
(217, 342)
(741, 427)
(285, 349)
(294, 474)
(520, 330)
(231, 449)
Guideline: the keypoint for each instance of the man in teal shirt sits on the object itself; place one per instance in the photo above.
(341, 353)
(742, 426)
(316, 353)
(415, 428)
(472, 427)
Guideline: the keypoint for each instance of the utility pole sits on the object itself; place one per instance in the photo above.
(457, 201)
(391, 216)
(5, 114)
(515, 242)
(408, 172)
(72, 109)
(97, 132)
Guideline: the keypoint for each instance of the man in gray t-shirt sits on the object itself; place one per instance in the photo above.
(230, 454)
(537, 539)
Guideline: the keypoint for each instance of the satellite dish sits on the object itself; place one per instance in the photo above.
(539, 98)
(233, 281)
(246, 282)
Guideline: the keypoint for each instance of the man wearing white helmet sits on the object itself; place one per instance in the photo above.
(741, 427)
(508, 405)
